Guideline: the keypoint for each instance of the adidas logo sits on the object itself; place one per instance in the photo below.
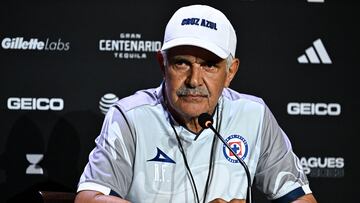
(313, 53)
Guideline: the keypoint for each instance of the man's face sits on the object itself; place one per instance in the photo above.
(194, 80)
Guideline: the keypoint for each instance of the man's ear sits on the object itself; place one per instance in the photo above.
(232, 71)
(160, 59)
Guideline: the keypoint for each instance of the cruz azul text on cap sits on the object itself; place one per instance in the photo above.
(196, 21)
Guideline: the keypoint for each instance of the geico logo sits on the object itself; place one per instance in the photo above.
(55, 104)
(320, 109)
(326, 162)
(34, 44)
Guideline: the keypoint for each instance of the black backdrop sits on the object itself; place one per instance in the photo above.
(59, 72)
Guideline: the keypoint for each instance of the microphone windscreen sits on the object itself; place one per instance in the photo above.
(205, 120)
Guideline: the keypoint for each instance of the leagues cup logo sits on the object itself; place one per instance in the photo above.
(239, 145)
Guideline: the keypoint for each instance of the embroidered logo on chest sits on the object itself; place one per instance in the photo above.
(162, 167)
(162, 157)
(239, 145)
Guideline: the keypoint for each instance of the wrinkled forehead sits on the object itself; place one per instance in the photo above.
(192, 51)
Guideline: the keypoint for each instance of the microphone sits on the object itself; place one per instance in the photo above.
(206, 121)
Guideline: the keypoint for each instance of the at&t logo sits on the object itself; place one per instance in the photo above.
(107, 101)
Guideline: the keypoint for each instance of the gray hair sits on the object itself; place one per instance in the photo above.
(229, 60)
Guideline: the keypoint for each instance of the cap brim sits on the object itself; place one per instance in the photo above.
(195, 42)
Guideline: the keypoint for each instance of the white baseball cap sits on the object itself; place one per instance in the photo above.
(201, 26)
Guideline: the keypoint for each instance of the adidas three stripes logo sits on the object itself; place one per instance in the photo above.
(315, 54)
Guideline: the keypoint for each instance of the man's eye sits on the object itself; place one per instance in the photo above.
(210, 66)
(181, 64)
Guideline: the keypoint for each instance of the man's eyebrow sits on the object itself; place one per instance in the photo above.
(185, 58)
(179, 57)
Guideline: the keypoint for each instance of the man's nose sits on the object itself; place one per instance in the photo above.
(195, 76)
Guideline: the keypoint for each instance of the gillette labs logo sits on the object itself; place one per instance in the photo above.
(34, 44)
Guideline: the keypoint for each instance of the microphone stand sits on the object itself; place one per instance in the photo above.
(248, 195)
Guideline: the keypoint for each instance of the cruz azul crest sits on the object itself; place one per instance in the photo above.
(239, 145)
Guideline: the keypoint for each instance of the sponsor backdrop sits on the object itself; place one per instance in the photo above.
(64, 63)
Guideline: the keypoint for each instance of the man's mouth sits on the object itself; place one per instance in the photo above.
(193, 97)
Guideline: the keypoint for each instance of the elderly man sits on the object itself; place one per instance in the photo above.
(152, 149)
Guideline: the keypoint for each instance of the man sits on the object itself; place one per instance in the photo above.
(152, 148)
